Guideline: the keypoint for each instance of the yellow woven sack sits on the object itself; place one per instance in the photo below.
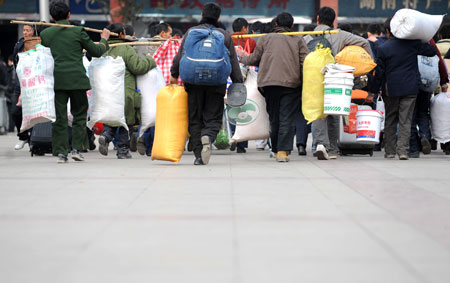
(171, 126)
(313, 89)
(357, 57)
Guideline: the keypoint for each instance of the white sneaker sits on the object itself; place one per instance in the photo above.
(321, 152)
(19, 145)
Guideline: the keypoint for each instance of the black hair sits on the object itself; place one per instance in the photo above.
(211, 11)
(374, 29)
(284, 19)
(178, 32)
(162, 27)
(11, 58)
(257, 27)
(309, 27)
(387, 25)
(268, 27)
(346, 27)
(59, 10)
(152, 28)
(117, 28)
(238, 24)
(445, 31)
(326, 16)
(129, 30)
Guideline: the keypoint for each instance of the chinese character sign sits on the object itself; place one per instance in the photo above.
(387, 8)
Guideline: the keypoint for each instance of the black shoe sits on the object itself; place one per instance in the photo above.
(377, 147)
(415, 154)
(92, 145)
(241, 150)
(198, 161)
(233, 146)
(433, 144)
(426, 146)
(133, 143)
(123, 153)
(301, 150)
(190, 146)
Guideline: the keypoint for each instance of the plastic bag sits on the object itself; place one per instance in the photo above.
(381, 108)
(440, 117)
(149, 84)
(358, 58)
(107, 77)
(171, 127)
(412, 24)
(222, 141)
(313, 89)
(35, 73)
(252, 120)
(429, 72)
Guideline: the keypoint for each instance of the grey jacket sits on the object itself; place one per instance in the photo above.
(280, 59)
(236, 75)
(342, 39)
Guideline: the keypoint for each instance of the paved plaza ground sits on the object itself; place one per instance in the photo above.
(242, 219)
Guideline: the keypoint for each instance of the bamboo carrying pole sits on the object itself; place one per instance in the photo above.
(287, 33)
(58, 25)
(155, 43)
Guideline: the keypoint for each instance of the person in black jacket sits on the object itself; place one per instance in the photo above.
(206, 103)
(397, 66)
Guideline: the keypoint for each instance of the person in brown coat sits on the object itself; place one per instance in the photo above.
(280, 60)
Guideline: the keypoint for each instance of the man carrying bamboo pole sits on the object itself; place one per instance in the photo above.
(71, 82)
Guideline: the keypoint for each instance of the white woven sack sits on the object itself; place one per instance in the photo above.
(440, 117)
(429, 72)
(149, 84)
(35, 73)
(107, 77)
(257, 127)
(412, 24)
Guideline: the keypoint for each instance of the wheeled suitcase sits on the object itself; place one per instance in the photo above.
(347, 142)
(41, 139)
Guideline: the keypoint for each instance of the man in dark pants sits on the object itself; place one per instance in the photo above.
(397, 66)
(71, 82)
(206, 102)
(280, 60)
(302, 129)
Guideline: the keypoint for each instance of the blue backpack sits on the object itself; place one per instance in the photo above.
(205, 59)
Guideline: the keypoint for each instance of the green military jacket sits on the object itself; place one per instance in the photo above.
(67, 46)
(133, 66)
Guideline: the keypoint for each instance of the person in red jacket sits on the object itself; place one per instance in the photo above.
(240, 27)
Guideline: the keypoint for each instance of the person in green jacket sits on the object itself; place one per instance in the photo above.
(134, 65)
(71, 82)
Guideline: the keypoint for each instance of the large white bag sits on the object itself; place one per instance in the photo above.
(440, 117)
(35, 73)
(429, 72)
(252, 120)
(149, 84)
(412, 24)
(107, 77)
(381, 108)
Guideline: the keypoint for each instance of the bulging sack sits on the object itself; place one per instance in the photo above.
(171, 127)
(440, 117)
(429, 72)
(313, 89)
(251, 119)
(358, 58)
(149, 84)
(107, 77)
(35, 73)
(412, 24)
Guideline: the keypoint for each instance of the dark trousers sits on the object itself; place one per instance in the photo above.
(421, 119)
(78, 108)
(399, 110)
(123, 138)
(302, 129)
(283, 105)
(11, 124)
(205, 113)
(16, 114)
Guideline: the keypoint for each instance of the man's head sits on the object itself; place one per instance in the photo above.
(118, 28)
(129, 30)
(326, 16)
(444, 33)
(164, 30)
(284, 19)
(374, 29)
(211, 11)
(257, 27)
(59, 11)
(28, 31)
(240, 25)
(387, 27)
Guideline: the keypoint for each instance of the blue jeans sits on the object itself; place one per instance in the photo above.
(421, 119)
